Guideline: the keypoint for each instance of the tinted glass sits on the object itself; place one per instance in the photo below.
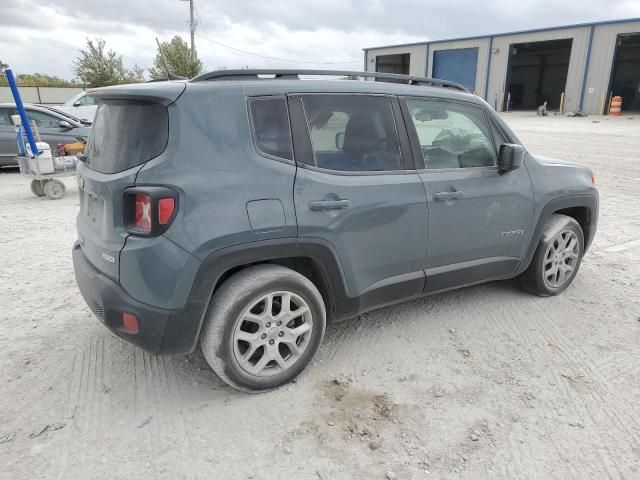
(44, 120)
(270, 123)
(125, 134)
(87, 101)
(452, 135)
(352, 132)
(5, 119)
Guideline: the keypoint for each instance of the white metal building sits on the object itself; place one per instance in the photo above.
(588, 62)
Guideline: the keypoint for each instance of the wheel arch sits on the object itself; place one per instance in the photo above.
(582, 208)
(313, 258)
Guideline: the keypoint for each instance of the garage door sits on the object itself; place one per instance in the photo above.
(457, 65)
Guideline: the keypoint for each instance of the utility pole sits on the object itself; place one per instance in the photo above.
(192, 26)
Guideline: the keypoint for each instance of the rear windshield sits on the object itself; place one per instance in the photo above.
(126, 133)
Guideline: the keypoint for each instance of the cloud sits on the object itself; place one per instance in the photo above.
(45, 36)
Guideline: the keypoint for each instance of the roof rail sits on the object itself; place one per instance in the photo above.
(295, 75)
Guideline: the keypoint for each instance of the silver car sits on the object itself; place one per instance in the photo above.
(81, 106)
(54, 126)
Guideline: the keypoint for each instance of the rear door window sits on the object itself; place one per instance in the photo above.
(355, 133)
(270, 125)
(43, 120)
(5, 118)
(125, 134)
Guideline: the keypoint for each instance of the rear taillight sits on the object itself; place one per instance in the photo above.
(165, 210)
(142, 218)
(149, 211)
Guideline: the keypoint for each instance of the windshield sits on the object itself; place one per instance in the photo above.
(77, 120)
(126, 133)
(72, 100)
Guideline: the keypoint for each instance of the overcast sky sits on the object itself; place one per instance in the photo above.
(45, 36)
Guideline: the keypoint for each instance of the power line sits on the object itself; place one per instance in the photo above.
(224, 45)
(200, 22)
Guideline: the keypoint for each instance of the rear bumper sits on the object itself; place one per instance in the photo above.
(160, 331)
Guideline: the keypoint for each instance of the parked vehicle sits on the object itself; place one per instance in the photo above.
(242, 212)
(54, 127)
(81, 105)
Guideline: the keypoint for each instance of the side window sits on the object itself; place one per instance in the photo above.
(270, 125)
(5, 119)
(87, 101)
(452, 135)
(355, 133)
(43, 120)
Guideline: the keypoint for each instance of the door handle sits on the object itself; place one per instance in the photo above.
(444, 196)
(322, 205)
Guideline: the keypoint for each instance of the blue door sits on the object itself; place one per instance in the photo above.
(458, 65)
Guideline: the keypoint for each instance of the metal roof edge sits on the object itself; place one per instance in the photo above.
(505, 34)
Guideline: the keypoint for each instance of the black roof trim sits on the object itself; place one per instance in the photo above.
(295, 75)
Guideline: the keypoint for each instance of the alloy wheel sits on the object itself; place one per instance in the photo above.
(561, 258)
(272, 333)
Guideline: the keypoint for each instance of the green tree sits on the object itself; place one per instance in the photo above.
(44, 80)
(3, 77)
(178, 56)
(98, 67)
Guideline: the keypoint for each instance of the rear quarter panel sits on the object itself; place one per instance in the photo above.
(212, 163)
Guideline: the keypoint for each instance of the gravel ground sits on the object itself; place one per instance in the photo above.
(484, 382)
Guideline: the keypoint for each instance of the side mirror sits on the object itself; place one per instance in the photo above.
(510, 157)
(339, 140)
(77, 103)
(66, 125)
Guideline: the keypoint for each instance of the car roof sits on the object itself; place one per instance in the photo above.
(168, 91)
(26, 105)
(264, 87)
(46, 109)
(277, 86)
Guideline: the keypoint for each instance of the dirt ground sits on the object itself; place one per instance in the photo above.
(484, 382)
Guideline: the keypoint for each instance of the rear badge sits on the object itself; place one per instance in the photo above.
(108, 258)
(512, 233)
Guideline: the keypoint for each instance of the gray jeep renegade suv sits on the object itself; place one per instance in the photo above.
(242, 210)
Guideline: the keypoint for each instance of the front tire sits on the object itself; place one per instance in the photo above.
(557, 258)
(263, 327)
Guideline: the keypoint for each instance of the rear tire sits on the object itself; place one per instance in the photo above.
(557, 258)
(263, 327)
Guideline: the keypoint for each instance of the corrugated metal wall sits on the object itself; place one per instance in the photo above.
(47, 95)
(457, 65)
(599, 69)
(482, 44)
(417, 60)
(602, 52)
(500, 60)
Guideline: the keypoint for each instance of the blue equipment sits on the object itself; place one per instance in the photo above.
(23, 113)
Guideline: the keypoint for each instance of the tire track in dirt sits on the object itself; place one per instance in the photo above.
(87, 408)
(540, 336)
(147, 394)
(607, 395)
(521, 453)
